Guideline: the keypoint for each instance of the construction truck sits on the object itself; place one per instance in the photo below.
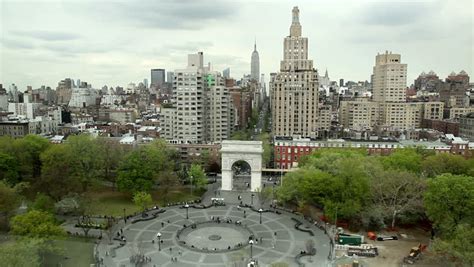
(414, 255)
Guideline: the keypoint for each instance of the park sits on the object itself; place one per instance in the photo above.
(89, 201)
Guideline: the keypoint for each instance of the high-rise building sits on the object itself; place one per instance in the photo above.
(294, 90)
(64, 90)
(453, 90)
(255, 64)
(226, 73)
(158, 77)
(390, 78)
(428, 82)
(169, 77)
(389, 109)
(202, 109)
(145, 82)
(14, 94)
(324, 80)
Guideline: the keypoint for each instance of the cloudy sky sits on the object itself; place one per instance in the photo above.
(117, 42)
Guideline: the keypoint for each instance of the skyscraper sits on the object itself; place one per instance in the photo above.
(390, 78)
(169, 77)
(226, 73)
(158, 77)
(255, 64)
(294, 90)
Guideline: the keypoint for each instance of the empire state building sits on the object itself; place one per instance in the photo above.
(295, 88)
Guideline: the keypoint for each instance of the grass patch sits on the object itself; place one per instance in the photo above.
(106, 201)
(77, 252)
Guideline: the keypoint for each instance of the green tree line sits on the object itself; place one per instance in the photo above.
(33, 169)
(406, 187)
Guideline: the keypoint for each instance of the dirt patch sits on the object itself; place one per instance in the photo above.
(392, 252)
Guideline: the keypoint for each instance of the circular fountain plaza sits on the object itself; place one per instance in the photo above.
(214, 236)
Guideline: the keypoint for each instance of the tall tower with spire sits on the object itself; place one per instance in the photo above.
(294, 90)
(255, 64)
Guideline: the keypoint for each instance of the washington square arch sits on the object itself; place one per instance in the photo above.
(234, 152)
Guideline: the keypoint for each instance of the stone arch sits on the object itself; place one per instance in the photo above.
(248, 151)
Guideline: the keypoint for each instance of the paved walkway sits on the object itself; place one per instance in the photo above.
(282, 247)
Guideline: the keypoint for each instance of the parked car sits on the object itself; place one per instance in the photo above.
(385, 238)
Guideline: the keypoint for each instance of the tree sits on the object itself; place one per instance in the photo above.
(397, 192)
(446, 163)
(199, 179)
(9, 199)
(27, 151)
(143, 166)
(8, 169)
(240, 135)
(134, 175)
(203, 159)
(20, 253)
(43, 203)
(36, 224)
(85, 165)
(343, 191)
(404, 159)
(167, 181)
(56, 176)
(111, 154)
(267, 149)
(460, 244)
(142, 200)
(84, 221)
(449, 201)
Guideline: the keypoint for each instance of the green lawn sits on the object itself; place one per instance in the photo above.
(106, 201)
(78, 252)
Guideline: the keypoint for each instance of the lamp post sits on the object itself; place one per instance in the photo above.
(251, 201)
(260, 211)
(251, 248)
(187, 207)
(334, 237)
(191, 185)
(124, 219)
(158, 235)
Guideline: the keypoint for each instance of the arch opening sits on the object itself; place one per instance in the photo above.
(241, 175)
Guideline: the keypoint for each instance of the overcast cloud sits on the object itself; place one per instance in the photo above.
(117, 42)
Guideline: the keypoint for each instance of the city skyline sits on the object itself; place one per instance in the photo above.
(106, 48)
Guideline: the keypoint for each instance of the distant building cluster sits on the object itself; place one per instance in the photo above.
(197, 107)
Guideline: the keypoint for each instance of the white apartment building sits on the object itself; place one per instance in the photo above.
(202, 110)
(359, 115)
(390, 78)
(28, 110)
(433, 110)
(83, 97)
(456, 112)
